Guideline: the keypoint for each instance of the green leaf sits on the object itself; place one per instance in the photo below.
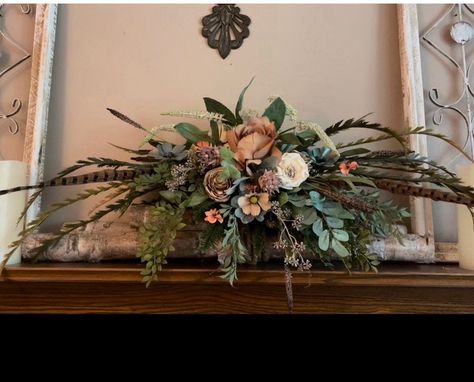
(214, 106)
(283, 198)
(240, 102)
(290, 139)
(297, 200)
(196, 198)
(358, 151)
(339, 248)
(276, 112)
(323, 241)
(171, 196)
(340, 235)
(309, 216)
(226, 154)
(334, 222)
(191, 133)
(318, 226)
(404, 213)
(338, 213)
(356, 179)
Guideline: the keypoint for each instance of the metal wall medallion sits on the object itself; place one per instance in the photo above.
(225, 28)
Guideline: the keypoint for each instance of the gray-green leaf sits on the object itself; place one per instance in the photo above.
(340, 235)
(323, 241)
(334, 222)
(318, 227)
(339, 248)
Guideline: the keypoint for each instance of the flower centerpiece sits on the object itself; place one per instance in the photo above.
(251, 180)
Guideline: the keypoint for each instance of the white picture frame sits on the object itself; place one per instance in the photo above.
(414, 115)
(38, 102)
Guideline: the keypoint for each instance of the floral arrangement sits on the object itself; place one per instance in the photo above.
(251, 180)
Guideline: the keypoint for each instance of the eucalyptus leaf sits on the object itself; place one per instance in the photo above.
(334, 222)
(297, 200)
(323, 241)
(340, 235)
(339, 248)
(318, 226)
(309, 216)
(283, 198)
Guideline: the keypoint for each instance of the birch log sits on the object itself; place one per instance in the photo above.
(102, 241)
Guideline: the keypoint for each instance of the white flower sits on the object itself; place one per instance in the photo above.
(292, 170)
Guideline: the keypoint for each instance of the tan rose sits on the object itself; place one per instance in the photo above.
(215, 186)
(253, 141)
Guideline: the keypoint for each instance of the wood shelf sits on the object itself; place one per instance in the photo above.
(196, 288)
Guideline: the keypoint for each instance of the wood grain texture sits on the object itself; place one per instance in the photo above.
(413, 109)
(40, 90)
(184, 288)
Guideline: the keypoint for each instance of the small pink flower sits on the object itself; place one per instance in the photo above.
(345, 169)
(213, 216)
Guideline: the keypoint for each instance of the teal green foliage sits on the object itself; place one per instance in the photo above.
(155, 239)
(233, 241)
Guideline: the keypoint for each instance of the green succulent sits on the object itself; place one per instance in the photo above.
(169, 151)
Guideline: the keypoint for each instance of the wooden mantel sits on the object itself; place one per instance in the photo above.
(196, 288)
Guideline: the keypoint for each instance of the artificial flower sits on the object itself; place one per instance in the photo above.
(213, 216)
(253, 141)
(168, 151)
(216, 187)
(345, 169)
(200, 145)
(269, 182)
(292, 170)
(209, 158)
(253, 204)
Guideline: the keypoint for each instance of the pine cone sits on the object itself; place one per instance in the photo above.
(215, 186)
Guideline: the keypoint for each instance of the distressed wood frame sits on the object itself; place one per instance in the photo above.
(40, 90)
(414, 115)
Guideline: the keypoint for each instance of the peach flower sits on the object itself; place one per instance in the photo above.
(254, 204)
(213, 216)
(345, 169)
(253, 141)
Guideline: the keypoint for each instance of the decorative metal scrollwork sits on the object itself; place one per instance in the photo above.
(462, 33)
(225, 28)
(16, 105)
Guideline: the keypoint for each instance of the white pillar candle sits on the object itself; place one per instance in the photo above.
(12, 174)
(465, 226)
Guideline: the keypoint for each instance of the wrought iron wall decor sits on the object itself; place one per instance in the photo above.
(16, 104)
(225, 28)
(461, 33)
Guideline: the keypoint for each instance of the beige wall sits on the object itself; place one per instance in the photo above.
(16, 83)
(330, 61)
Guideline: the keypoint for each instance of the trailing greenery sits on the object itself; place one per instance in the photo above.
(156, 237)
